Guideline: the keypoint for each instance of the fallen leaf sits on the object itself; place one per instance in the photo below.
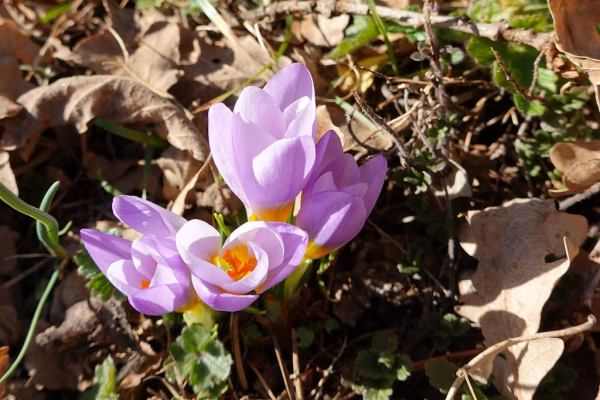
(178, 167)
(220, 199)
(580, 164)
(156, 62)
(4, 364)
(512, 283)
(325, 124)
(576, 35)
(80, 99)
(7, 178)
(457, 181)
(322, 31)
(10, 324)
(361, 80)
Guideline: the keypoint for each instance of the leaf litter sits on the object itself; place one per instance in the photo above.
(506, 135)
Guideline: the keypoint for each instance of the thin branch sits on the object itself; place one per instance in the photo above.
(498, 31)
(496, 349)
(580, 197)
(536, 69)
(436, 68)
(373, 116)
(516, 84)
(356, 139)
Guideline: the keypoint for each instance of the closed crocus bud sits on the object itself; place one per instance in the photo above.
(255, 257)
(338, 197)
(149, 270)
(265, 148)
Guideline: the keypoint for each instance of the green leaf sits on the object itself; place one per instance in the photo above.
(361, 32)
(533, 108)
(456, 326)
(373, 393)
(403, 366)
(305, 337)
(104, 384)
(368, 365)
(147, 4)
(98, 284)
(331, 325)
(55, 12)
(441, 374)
(198, 355)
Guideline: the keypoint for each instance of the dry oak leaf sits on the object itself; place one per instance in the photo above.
(512, 283)
(322, 31)
(580, 164)
(156, 62)
(7, 177)
(80, 99)
(576, 35)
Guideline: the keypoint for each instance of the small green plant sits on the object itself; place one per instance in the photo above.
(446, 327)
(104, 384)
(199, 358)
(379, 367)
(442, 373)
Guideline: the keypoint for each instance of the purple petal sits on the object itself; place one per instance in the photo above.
(261, 233)
(142, 258)
(221, 146)
(295, 241)
(280, 173)
(301, 119)
(254, 278)
(290, 84)
(219, 300)
(373, 172)
(146, 217)
(123, 275)
(199, 245)
(250, 140)
(105, 249)
(160, 300)
(332, 219)
(257, 106)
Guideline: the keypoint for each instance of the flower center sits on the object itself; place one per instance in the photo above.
(145, 284)
(239, 264)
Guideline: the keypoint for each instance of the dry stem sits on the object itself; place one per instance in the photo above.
(499, 31)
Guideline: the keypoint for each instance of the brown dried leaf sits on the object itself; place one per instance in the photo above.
(322, 31)
(325, 124)
(78, 100)
(178, 167)
(575, 26)
(162, 49)
(4, 364)
(7, 177)
(580, 164)
(512, 283)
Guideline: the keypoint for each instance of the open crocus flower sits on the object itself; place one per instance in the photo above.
(148, 271)
(254, 258)
(338, 197)
(265, 148)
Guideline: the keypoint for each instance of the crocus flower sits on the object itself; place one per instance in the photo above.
(254, 258)
(148, 271)
(338, 197)
(265, 148)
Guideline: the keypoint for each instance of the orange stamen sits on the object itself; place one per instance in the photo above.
(238, 269)
(145, 284)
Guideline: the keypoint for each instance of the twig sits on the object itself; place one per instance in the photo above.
(284, 371)
(235, 346)
(6, 285)
(521, 134)
(578, 198)
(536, 69)
(373, 116)
(263, 382)
(436, 68)
(498, 31)
(516, 84)
(593, 276)
(296, 366)
(356, 139)
(496, 349)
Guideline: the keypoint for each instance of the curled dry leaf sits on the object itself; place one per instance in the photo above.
(178, 168)
(322, 31)
(575, 24)
(4, 364)
(512, 283)
(580, 164)
(120, 100)
(325, 124)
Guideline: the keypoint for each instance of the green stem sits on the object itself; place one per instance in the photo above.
(49, 237)
(34, 321)
(383, 31)
(139, 137)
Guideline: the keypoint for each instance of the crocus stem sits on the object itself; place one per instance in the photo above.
(383, 31)
(147, 163)
(49, 236)
(294, 280)
(34, 321)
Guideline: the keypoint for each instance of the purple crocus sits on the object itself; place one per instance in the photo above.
(338, 197)
(255, 257)
(149, 270)
(265, 148)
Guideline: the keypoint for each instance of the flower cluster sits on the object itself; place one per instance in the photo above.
(266, 150)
